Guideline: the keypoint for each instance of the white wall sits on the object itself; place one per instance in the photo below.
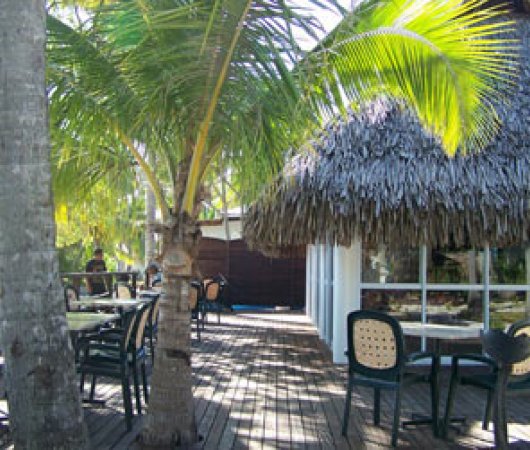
(333, 289)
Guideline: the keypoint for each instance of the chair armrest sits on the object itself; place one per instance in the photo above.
(417, 356)
(473, 357)
(113, 351)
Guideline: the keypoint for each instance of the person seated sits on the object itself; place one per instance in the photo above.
(154, 276)
(96, 285)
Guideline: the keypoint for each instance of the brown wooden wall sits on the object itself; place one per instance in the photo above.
(254, 279)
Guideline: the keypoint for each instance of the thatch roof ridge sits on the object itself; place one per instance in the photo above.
(378, 174)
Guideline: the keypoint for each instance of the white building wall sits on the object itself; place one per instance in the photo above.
(346, 294)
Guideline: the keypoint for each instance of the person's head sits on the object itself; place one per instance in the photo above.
(152, 268)
(98, 253)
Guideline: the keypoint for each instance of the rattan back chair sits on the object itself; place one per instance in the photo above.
(518, 378)
(212, 294)
(511, 353)
(377, 359)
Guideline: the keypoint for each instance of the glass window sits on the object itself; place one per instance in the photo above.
(455, 267)
(403, 305)
(507, 266)
(507, 307)
(458, 308)
(390, 266)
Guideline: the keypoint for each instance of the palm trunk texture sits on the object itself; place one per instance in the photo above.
(44, 406)
(170, 420)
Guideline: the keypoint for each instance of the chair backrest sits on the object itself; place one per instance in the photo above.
(129, 319)
(71, 295)
(375, 345)
(194, 296)
(508, 348)
(517, 329)
(212, 289)
(153, 314)
(123, 291)
(142, 316)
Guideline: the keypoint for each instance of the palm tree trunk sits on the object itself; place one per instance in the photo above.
(44, 405)
(171, 416)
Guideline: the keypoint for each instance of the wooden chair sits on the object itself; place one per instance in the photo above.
(518, 378)
(377, 359)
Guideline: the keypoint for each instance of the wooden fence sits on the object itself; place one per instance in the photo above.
(253, 278)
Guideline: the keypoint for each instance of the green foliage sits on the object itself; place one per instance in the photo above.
(107, 218)
(179, 81)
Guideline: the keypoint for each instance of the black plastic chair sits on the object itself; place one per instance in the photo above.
(511, 352)
(377, 359)
(517, 375)
(151, 329)
(117, 353)
(196, 306)
(212, 294)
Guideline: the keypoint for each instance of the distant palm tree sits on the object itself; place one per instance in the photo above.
(190, 79)
(44, 407)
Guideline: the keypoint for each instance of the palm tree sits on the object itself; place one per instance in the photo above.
(186, 80)
(44, 402)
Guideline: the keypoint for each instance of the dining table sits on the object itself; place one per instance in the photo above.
(118, 303)
(85, 321)
(438, 333)
(149, 293)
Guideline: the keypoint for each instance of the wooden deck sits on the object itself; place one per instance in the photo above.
(265, 381)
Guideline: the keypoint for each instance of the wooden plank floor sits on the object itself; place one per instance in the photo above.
(264, 381)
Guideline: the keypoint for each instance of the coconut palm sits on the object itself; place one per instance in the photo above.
(43, 399)
(186, 80)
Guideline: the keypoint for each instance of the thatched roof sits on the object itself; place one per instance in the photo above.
(381, 176)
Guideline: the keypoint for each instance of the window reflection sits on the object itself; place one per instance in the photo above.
(507, 307)
(455, 267)
(507, 266)
(390, 266)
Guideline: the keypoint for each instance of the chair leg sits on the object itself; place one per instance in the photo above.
(92, 387)
(137, 389)
(82, 382)
(435, 395)
(500, 427)
(453, 383)
(152, 346)
(397, 413)
(487, 412)
(347, 407)
(198, 329)
(377, 406)
(144, 379)
(127, 401)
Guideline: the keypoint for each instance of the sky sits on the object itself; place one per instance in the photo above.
(329, 20)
